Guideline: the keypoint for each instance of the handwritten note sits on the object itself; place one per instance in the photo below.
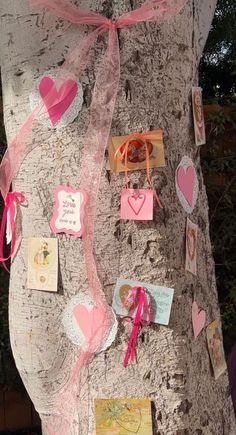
(68, 213)
(160, 300)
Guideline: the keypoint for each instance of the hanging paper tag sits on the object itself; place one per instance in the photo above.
(198, 116)
(68, 213)
(42, 264)
(137, 204)
(191, 247)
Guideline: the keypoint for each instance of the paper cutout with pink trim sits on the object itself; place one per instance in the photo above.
(186, 182)
(69, 211)
(67, 99)
(82, 321)
(198, 319)
(137, 204)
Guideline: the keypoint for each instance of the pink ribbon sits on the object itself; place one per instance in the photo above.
(143, 310)
(12, 199)
(101, 113)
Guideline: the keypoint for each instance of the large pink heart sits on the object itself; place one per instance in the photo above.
(60, 100)
(90, 323)
(136, 202)
(198, 319)
(186, 182)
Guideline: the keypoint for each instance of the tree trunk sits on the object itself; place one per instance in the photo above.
(159, 66)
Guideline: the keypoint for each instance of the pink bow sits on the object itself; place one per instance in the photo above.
(12, 199)
(143, 310)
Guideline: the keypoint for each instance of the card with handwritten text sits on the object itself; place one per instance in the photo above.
(160, 300)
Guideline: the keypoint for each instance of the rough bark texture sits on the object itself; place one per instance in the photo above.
(158, 68)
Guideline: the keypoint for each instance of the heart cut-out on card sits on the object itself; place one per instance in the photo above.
(136, 202)
(198, 319)
(60, 99)
(131, 420)
(90, 322)
(186, 182)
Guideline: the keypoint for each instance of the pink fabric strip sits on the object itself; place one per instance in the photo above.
(101, 113)
(143, 310)
(10, 206)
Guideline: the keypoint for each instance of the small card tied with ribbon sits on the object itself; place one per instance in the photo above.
(137, 204)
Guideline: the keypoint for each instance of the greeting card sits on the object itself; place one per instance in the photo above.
(69, 211)
(198, 116)
(137, 154)
(216, 349)
(198, 319)
(159, 298)
(123, 416)
(137, 204)
(186, 183)
(42, 264)
(191, 247)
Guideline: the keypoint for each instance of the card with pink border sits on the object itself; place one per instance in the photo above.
(69, 211)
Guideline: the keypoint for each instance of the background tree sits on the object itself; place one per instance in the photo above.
(159, 67)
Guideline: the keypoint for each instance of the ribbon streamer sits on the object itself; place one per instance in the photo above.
(9, 214)
(143, 310)
(122, 153)
(101, 113)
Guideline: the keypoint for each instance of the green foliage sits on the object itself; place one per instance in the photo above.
(218, 64)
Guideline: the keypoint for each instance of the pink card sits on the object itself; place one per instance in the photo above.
(137, 204)
(68, 213)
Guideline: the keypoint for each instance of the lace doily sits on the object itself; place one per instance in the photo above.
(186, 183)
(74, 332)
(70, 114)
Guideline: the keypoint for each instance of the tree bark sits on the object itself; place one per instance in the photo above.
(159, 66)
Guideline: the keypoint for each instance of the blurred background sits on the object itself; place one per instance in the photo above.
(218, 157)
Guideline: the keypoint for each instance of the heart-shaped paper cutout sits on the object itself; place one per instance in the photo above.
(131, 422)
(90, 322)
(60, 99)
(186, 182)
(136, 202)
(198, 319)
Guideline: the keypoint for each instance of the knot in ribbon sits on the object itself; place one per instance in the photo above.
(138, 295)
(122, 153)
(8, 216)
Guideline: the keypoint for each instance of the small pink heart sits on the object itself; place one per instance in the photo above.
(198, 319)
(186, 182)
(60, 99)
(90, 322)
(136, 202)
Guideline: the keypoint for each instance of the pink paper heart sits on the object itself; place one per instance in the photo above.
(90, 322)
(136, 202)
(60, 99)
(198, 319)
(186, 182)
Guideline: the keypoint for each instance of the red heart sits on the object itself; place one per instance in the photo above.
(90, 322)
(186, 182)
(137, 151)
(136, 202)
(198, 319)
(60, 100)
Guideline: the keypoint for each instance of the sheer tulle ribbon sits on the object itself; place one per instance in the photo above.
(138, 295)
(101, 113)
(9, 214)
(122, 153)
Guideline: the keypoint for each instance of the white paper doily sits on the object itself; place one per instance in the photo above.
(73, 110)
(72, 328)
(188, 205)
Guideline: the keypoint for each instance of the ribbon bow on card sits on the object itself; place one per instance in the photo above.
(136, 297)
